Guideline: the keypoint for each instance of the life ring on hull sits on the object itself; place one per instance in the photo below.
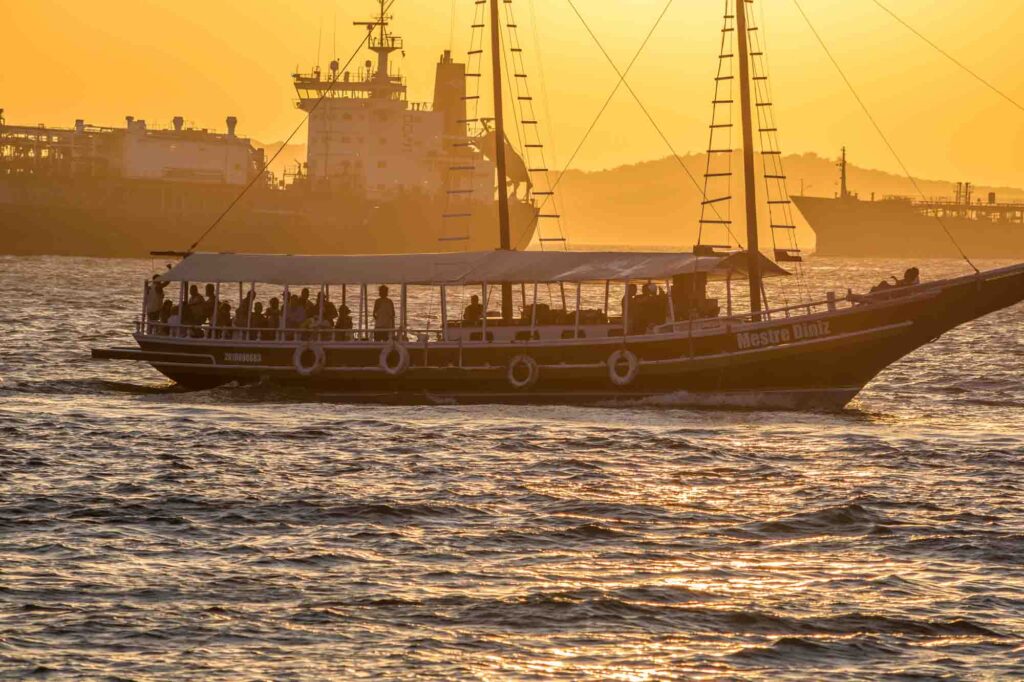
(523, 372)
(394, 359)
(620, 360)
(309, 360)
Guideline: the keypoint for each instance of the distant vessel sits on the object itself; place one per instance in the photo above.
(382, 175)
(900, 227)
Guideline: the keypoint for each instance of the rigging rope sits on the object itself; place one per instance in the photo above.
(948, 56)
(258, 176)
(878, 129)
(643, 107)
(611, 96)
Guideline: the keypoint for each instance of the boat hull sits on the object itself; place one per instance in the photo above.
(816, 361)
(129, 218)
(890, 228)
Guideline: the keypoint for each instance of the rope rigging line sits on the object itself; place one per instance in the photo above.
(881, 133)
(643, 107)
(258, 176)
(948, 56)
(611, 96)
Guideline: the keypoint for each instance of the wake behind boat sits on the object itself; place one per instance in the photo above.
(569, 327)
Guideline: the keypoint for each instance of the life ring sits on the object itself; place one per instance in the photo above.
(390, 353)
(302, 356)
(516, 376)
(619, 360)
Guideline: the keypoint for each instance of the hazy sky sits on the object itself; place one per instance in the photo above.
(206, 59)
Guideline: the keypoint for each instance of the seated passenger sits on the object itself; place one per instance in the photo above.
(257, 321)
(631, 297)
(911, 278)
(882, 286)
(330, 311)
(209, 302)
(343, 323)
(224, 321)
(474, 313)
(165, 314)
(195, 307)
(173, 323)
(308, 307)
(296, 314)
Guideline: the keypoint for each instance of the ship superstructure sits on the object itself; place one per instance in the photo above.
(135, 152)
(365, 134)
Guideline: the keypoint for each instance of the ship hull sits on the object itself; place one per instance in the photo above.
(854, 228)
(130, 218)
(818, 361)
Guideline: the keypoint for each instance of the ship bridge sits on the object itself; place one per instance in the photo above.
(373, 81)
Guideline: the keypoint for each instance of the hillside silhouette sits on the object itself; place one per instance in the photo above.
(654, 203)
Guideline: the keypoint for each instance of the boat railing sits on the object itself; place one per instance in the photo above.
(162, 330)
(695, 326)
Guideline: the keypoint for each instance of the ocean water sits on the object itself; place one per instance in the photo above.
(249, 533)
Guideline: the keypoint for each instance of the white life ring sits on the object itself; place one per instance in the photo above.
(301, 356)
(619, 360)
(391, 352)
(515, 374)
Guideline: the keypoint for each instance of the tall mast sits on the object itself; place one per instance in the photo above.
(499, 156)
(750, 194)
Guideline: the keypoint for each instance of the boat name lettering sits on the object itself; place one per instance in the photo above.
(244, 358)
(775, 337)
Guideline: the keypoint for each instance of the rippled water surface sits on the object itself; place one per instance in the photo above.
(244, 533)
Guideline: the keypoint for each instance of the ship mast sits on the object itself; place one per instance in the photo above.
(844, 193)
(750, 191)
(499, 156)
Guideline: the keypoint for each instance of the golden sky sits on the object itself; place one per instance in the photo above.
(205, 59)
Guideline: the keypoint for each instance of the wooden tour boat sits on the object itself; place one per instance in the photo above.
(673, 341)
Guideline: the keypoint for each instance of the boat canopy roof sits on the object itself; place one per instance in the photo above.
(460, 268)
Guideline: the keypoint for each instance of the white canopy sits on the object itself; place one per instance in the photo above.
(459, 268)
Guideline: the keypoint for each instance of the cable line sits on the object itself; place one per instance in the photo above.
(950, 57)
(878, 129)
(643, 107)
(611, 96)
(258, 176)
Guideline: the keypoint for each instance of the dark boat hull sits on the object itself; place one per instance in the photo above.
(817, 361)
(128, 218)
(892, 228)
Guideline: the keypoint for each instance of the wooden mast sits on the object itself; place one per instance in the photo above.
(750, 194)
(499, 157)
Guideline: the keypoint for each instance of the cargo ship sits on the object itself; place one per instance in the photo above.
(900, 227)
(382, 175)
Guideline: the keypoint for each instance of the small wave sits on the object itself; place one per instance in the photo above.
(824, 400)
(87, 387)
(850, 519)
(797, 651)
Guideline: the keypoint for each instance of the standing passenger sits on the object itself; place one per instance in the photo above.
(383, 315)
(154, 298)
(273, 318)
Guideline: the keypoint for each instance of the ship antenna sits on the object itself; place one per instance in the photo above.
(499, 156)
(256, 177)
(750, 191)
(844, 193)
